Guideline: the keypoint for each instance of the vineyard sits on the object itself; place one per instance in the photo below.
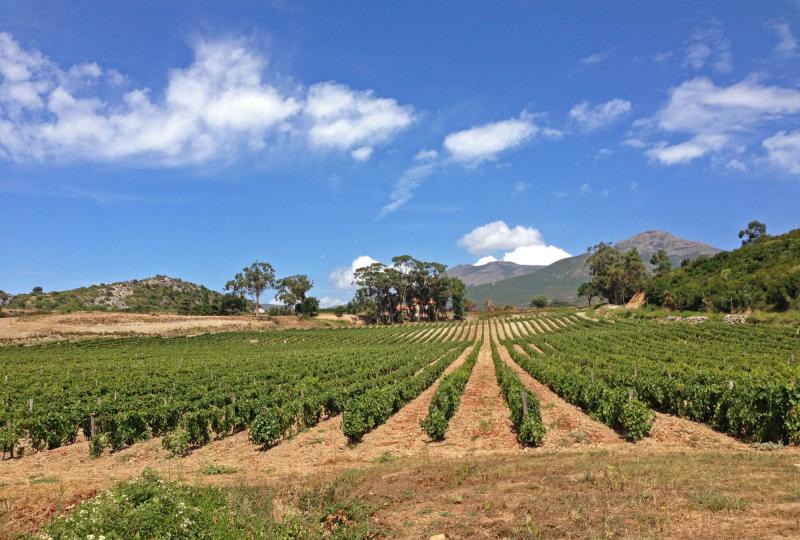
(304, 399)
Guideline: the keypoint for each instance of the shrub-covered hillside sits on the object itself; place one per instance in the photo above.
(764, 274)
(158, 293)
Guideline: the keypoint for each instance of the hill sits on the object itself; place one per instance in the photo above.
(157, 293)
(763, 274)
(560, 280)
(491, 272)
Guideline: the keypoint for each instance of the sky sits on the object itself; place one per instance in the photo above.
(193, 138)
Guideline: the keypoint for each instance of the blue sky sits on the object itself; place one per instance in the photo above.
(190, 139)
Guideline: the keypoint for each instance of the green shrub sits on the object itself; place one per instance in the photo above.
(177, 443)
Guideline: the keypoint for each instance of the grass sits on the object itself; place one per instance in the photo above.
(151, 507)
(212, 470)
(715, 501)
(551, 495)
(386, 457)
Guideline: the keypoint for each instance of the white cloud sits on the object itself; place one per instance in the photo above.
(342, 278)
(716, 118)
(497, 235)
(787, 43)
(485, 142)
(735, 164)
(426, 155)
(536, 255)
(342, 118)
(526, 244)
(403, 190)
(634, 186)
(783, 150)
(593, 117)
(485, 260)
(687, 151)
(585, 189)
(215, 108)
(328, 302)
(594, 58)
(709, 46)
(362, 154)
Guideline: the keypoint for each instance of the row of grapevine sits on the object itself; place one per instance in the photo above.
(616, 406)
(742, 381)
(202, 386)
(364, 413)
(447, 398)
(525, 411)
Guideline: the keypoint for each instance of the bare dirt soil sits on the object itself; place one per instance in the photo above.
(52, 327)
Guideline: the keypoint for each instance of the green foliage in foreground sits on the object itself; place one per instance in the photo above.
(447, 397)
(152, 508)
(763, 274)
(529, 425)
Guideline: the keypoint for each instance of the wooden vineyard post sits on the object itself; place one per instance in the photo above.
(92, 426)
(30, 405)
(524, 403)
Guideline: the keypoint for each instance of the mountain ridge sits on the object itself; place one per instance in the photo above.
(560, 280)
(158, 293)
(492, 272)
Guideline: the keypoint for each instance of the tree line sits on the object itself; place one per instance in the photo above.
(407, 290)
(760, 273)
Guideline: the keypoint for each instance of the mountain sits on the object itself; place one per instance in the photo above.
(763, 274)
(560, 280)
(491, 272)
(157, 293)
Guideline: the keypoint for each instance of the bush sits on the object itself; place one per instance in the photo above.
(269, 427)
(98, 444)
(539, 301)
(177, 443)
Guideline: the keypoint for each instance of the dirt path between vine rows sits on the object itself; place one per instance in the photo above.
(482, 423)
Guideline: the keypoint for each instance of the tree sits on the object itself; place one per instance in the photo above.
(660, 260)
(37, 290)
(4, 299)
(616, 276)
(292, 292)
(253, 280)
(409, 289)
(539, 301)
(754, 231)
(589, 291)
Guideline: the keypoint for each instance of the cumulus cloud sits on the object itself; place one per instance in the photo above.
(593, 117)
(219, 105)
(342, 278)
(526, 244)
(717, 118)
(783, 150)
(497, 235)
(485, 142)
(485, 260)
(342, 118)
(709, 46)
(536, 255)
